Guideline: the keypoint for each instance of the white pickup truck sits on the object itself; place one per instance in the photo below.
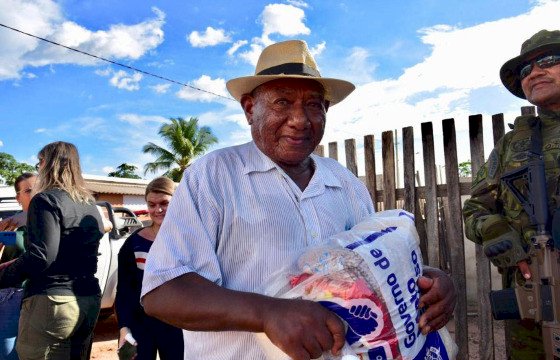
(124, 223)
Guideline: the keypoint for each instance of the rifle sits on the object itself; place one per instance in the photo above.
(539, 297)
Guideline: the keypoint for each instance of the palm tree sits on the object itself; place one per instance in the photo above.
(185, 140)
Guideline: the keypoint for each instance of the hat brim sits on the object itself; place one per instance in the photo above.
(509, 73)
(335, 90)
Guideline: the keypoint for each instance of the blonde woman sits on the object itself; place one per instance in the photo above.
(62, 296)
(152, 335)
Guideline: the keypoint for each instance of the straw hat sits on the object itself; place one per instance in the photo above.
(541, 42)
(288, 59)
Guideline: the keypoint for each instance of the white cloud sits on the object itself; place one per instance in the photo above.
(463, 63)
(358, 67)
(1, 143)
(318, 49)
(123, 80)
(252, 56)
(236, 45)
(135, 119)
(161, 88)
(282, 19)
(45, 18)
(298, 3)
(286, 20)
(216, 86)
(210, 37)
(107, 169)
(40, 130)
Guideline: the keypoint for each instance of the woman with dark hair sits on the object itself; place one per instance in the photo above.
(62, 296)
(151, 335)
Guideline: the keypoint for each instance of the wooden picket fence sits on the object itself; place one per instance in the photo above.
(437, 208)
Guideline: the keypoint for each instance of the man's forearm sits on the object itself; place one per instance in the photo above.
(194, 303)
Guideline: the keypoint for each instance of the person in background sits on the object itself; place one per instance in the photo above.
(62, 296)
(24, 191)
(151, 335)
(240, 213)
(10, 298)
(494, 218)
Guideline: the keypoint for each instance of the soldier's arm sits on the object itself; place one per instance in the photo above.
(484, 197)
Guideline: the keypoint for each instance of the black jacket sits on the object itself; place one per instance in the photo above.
(61, 247)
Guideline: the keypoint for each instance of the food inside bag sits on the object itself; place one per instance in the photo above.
(368, 277)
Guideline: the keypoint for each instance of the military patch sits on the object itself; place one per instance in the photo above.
(521, 145)
(493, 162)
(520, 157)
(552, 144)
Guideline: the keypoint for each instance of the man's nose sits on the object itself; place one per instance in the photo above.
(298, 116)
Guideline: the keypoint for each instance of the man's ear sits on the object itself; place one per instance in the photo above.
(247, 102)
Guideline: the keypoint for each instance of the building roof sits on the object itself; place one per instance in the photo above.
(113, 185)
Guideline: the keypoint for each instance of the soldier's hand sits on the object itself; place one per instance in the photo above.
(303, 329)
(501, 243)
(525, 269)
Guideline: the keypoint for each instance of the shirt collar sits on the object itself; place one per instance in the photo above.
(257, 161)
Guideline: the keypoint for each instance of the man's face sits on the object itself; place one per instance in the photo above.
(157, 206)
(24, 194)
(287, 118)
(542, 86)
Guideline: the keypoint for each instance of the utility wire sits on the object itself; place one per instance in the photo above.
(115, 63)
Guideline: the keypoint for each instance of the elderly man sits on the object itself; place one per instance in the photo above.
(493, 216)
(240, 213)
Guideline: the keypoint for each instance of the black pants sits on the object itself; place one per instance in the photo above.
(154, 336)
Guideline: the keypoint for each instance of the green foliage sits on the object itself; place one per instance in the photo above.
(125, 171)
(10, 169)
(465, 169)
(185, 141)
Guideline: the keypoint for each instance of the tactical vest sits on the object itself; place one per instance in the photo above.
(515, 153)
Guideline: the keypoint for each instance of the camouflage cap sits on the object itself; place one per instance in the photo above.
(541, 42)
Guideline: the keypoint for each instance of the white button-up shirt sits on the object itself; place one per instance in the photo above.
(236, 218)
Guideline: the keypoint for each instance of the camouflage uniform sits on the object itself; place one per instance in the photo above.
(492, 201)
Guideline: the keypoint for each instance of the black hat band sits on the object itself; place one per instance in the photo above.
(290, 69)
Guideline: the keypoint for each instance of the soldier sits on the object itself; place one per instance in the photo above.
(493, 216)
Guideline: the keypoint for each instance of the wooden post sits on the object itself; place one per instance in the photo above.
(409, 170)
(410, 194)
(483, 276)
(350, 150)
(388, 155)
(371, 177)
(333, 150)
(498, 127)
(455, 240)
(320, 150)
(431, 207)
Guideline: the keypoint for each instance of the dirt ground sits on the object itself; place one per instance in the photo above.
(106, 332)
(105, 340)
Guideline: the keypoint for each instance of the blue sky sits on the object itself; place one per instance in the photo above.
(412, 61)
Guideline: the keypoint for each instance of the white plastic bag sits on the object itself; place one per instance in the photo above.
(368, 276)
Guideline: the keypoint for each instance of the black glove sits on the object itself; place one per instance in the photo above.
(501, 243)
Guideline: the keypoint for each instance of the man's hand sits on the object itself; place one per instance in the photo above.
(438, 298)
(303, 329)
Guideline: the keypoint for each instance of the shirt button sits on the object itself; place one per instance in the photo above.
(314, 235)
